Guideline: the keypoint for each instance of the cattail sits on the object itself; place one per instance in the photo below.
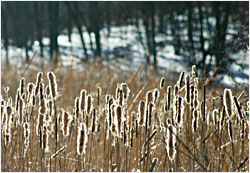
(228, 102)
(21, 109)
(26, 127)
(89, 104)
(176, 90)
(30, 91)
(222, 117)
(121, 98)
(66, 120)
(99, 92)
(117, 91)
(17, 99)
(171, 142)
(179, 83)
(178, 110)
(150, 112)
(76, 107)
(193, 71)
(39, 79)
(52, 84)
(82, 139)
(82, 100)
(40, 122)
(118, 114)
(195, 120)
(107, 99)
(93, 123)
(22, 85)
(125, 89)
(196, 101)
(42, 104)
(187, 95)
(110, 103)
(156, 95)
(113, 121)
(162, 83)
(149, 97)
(238, 108)
(192, 96)
(45, 138)
(141, 110)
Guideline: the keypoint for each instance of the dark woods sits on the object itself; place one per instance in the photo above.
(198, 30)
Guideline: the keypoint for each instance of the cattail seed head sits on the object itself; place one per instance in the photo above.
(118, 114)
(195, 120)
(150, 113)
(149, 97)
(93, 123)
(171, 142)
(125, 89)
(121, 98)
(99, 93)
(76, 108)
(176, 90)
(162, 83)
(187, 95)
(82, 139)
(228, 102)
(89, 104)
(237, 104)
(141, 110)
(192, 96)
(17, 99)
(66, 121)
(82, 100)
(222, 117)
(22, 85)
(39, 79)
(156, 95)
(52, 84)
(179, 83)
(193, 71)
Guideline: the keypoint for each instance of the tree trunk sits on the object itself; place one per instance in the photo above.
(79, 28)
(39, 26)
(153, 35)
(5, 35)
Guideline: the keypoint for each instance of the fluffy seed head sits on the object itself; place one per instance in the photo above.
(52, 84)
(176, 90)
(118, 114)
(156, 95)
(187, 95)
(162, 83)
(76, 107)
(66, 121)
(195, 120)
(141, 110)
(149, 97)
(150, 113)
(22, 85)
(89, 104)
(125, 89)
(181, 79)
(39, 79)
(83, 94)
(228, 102)
(193, 71)
(82, 139)
(171, 142)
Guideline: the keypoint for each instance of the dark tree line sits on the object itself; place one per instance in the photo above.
(185, 22)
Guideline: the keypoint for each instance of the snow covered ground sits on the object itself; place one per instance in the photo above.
(125, 46)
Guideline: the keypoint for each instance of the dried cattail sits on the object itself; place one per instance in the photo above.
(195, 120)
(107, 98)
(156, 95)
(187, 95)
(192, 96)
(171, 142)
(99, 93)
(150, 113)
(76, 108)
(176, 90)
(30, 91)
(117, 91)
(149, 97)
(110, 103)
(162, 83)
(82, 100)
(125, 89)
(39, 79)
(118, 114)
(26, 127)
(66, 121)
(52, 84)
(17, 99)
(82, 139)
(21, 110)
(230, 131)
(178, 110)
(141, 110)
(89, 104)
(228, 102)
(196, 101)
(222, 117)
(45, 138)
(22, 85)
(238, 108)
(40, 122)
(193, 71)
(93, 123)
(179, 83)
(113, 121)
(121, 98)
